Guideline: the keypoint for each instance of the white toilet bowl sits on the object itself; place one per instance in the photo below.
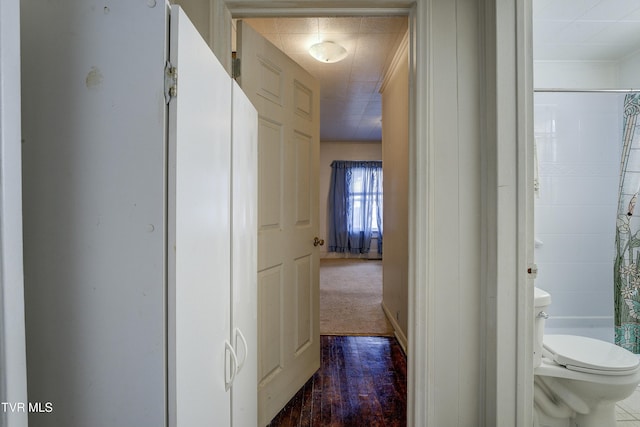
(579, 390)
(578, 380)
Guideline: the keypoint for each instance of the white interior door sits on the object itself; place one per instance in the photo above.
(199, 232)
(287, 100)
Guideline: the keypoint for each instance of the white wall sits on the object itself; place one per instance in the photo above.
(13, 379)
(330, 151)
(576, 74)
(455, 211)
(588, 74)
(395, 157)
(578, 140)
(628, 74)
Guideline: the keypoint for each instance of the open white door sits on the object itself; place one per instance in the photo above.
(288, 102)
(199, 180)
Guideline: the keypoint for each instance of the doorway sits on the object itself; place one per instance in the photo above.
(351, 119)
(350, 283)
(351, 116)
(447, 172)
(416, 314)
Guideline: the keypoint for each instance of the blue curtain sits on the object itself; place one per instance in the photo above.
(355, 204)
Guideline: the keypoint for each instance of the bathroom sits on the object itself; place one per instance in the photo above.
(586, 239)
(582, 73)
(586, 231)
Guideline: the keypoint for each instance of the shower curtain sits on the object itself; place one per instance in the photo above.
(626, 271)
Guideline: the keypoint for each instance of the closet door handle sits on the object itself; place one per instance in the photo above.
(229, 374)
(240, 335)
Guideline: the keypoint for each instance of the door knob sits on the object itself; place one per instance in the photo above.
(318, 242)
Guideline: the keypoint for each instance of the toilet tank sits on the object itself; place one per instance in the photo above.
(542, 300)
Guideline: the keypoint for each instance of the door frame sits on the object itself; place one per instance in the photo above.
(506, 328)
(13, 384)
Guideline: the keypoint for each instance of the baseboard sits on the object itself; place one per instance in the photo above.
(346, 255)
(397, 330)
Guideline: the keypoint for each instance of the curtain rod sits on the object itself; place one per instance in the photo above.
(588, 90)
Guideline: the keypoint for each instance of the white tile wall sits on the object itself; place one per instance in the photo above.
(578, 137)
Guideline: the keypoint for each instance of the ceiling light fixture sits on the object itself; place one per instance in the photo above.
(328, 52)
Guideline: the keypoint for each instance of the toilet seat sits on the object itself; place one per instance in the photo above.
(589, 355)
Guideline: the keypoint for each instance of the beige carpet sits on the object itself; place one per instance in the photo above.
(351, 297)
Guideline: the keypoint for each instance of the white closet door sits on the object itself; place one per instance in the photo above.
(245, 258)
(94, 207)
(199, 231)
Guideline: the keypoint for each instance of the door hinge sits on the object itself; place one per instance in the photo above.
(235, 67)
(532, 271)
(170, 82)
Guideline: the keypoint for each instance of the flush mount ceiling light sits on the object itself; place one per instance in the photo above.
(328, 52)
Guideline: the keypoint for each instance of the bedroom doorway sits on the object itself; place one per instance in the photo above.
(351, 113)
(351, 290)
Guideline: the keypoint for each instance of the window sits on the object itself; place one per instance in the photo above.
(355, 206)
(364, 198)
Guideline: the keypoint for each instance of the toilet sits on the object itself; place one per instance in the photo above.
(578, 380)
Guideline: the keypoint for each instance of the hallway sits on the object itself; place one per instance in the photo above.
(361, 381)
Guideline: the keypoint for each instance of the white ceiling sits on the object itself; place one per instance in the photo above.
(566, 30)
(350, 103)
(585, 30)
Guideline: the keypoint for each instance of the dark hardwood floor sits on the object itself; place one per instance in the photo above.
(362, 381)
